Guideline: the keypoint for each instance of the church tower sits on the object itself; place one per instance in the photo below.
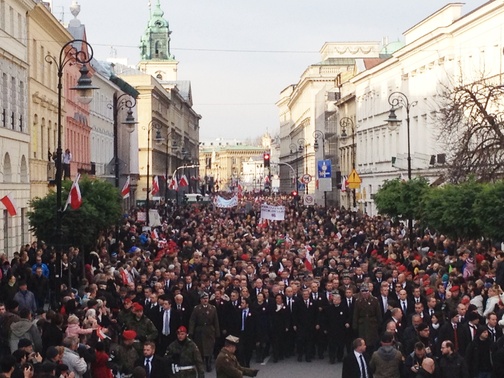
(157, 59)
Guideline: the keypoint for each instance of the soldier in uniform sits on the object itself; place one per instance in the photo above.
(184, 353)
(226, 364)
(204, 329)
(142, 325)
(367, 317)
(123, 356)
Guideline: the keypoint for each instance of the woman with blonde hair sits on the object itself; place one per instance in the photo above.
(494, 296)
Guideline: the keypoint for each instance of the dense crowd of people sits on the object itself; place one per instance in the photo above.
(218, 288)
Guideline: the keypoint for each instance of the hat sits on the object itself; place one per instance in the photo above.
(429, 291)
(364, 287)
(232, 339)
(454, 288)
(182, 329)
(137, 307)
(127, 300)
(129, 334)
(51, 352)
(203, 295)
(422, 326)
(23, 343)
(465, 300)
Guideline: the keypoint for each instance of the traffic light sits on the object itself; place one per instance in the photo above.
(294, 193)
(266, 158)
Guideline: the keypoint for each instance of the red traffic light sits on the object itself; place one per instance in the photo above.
(266, 156)
(294, 193)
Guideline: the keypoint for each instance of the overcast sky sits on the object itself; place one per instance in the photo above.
(239, 54)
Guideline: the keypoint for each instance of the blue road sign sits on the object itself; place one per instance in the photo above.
(301, 187)
(324, 168)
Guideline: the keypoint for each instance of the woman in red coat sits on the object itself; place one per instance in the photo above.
(99, 367)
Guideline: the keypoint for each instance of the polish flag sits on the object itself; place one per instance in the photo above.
(74, 197)
(125, 192)
(344, 183)
(183, 181)
(173, 183)
(155, 186)
(8, 202)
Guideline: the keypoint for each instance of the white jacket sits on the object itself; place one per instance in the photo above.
(74, 362)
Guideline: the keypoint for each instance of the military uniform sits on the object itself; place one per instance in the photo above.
(186, 353)
(145, 329)
(124, 357)
(204, 328)
(227, 366)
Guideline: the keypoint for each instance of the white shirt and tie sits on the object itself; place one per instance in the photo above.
(362, 364)
(166, 322)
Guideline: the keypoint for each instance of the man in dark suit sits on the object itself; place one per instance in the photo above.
(247, 333)
(167, 324)
(305, 324)
(405, 304)
(448, 332)
(466, 332)
(355, 364)
(494, 332)
(348, 301)
(181, 310)
(384, 301)
(155, 366)
(290, 337)
(335, 323)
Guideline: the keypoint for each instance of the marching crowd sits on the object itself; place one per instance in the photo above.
(218, 288)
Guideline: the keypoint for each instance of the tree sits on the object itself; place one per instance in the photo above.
(489, 210)
(471, 121)
(401, 199)
(100, 209)
(450, 210)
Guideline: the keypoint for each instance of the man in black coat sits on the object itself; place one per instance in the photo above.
(355, 364)
(155, 366)
(167, 325)
(335, 324)
(247, 321)
(305, 325)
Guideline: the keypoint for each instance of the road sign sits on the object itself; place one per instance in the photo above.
(306, 178)
(354, 180)
(301, 187)
(324, 168)
(309, 200)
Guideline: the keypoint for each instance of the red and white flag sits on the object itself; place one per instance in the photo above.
(74, 197)
(344, 183)
(125, 192)
(183, 181)
(8, 202)
(155, 186)
(173, 184)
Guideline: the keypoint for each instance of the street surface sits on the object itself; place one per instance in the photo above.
(291, 368)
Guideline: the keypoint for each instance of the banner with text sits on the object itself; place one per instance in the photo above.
(272, 212)
(226, 203)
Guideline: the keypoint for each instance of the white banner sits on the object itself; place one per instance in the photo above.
(272, 212)
(222, 202)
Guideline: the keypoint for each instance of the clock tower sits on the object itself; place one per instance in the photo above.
(156, 58)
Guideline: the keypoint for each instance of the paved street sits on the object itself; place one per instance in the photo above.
(290, 368)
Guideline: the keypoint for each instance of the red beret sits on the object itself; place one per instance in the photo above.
(430, 254)
(454, 288)
(137, 307)
(426, 282)
(374, 252)
(182, 329)
(465, 300)
(127, 300)
(129, 334)
(401, 268)
(429, 291)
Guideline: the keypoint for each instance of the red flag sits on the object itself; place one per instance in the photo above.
(155, 186)
(74, 197)
(183, 181)
(125, 192)
(173, 183)
(8, 202)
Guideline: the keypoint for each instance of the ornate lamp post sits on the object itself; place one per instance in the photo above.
(347, 123)
(157, 126)
(69, 54)
(397, 99)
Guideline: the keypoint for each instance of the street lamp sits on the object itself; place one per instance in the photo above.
(302, 145)
(69, 54)
(294, 149)
(318, 134)
(120, 102)
(157, 126)
(159, 141)
(348, 123)
(397, 99)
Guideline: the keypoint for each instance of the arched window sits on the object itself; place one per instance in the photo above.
(24, 170)
(7, 169)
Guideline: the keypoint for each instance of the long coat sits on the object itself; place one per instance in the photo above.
(186, 353)
(367, 319)
(227, 366)
(204, 328)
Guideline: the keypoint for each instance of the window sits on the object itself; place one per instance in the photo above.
(7, 168)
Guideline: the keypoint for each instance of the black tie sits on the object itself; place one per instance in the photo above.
(493, 335)
(147, 368)
(363, 366)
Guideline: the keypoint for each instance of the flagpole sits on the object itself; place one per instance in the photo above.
(157, 126)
